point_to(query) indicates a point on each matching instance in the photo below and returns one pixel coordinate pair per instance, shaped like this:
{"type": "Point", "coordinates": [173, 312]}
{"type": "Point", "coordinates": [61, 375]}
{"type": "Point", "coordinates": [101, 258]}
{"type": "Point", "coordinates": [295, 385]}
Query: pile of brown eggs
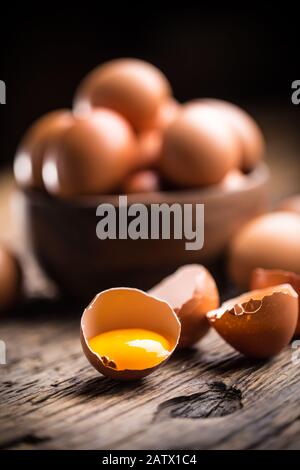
{"type": "Point", "coordinates": [128, 134]}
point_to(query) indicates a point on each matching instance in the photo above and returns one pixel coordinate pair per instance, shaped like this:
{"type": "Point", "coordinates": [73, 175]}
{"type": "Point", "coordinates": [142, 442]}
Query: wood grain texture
{"type": "Point", "coordinates": [204, 398]}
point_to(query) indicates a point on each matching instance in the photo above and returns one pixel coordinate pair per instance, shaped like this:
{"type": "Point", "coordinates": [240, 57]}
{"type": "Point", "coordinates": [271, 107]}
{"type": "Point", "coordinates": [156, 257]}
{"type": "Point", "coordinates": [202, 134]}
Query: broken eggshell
{"type": "Point", "coordinates": [192, 292]}
{"type": "Point", "coordinates": [263, 278]}
{"type": "Point", "coordinates": [259, 324]}
{"type": "Point", "coordinates": [120, 308]}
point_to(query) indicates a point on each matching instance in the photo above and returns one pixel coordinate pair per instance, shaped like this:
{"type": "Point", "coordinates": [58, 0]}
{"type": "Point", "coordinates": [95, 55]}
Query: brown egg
{"type": "Point", "coordinates": [30, 154]}
{"type": "Point", "coordinates": [124, 309]}
{"type": "Point", "coordinates": [263, 278]}
{"type": "Point", "coordinates": [259, 324]}
{"type": "Point", "coordinates": [192, 292]}
{"type": "Point", "coordinates": [149, 149]}
{"type": "Point", "coordinates": [246, 129]}
{"type": "Point", "coordinates": [233, 181]}
{"type": "Point", "coordinates": [199, 148]}
{"type": "Point", "coordinates": [10, 279]}
{"type": "Point", "coordinates": [271, 241]}
{"type": "Point", "coordinates": [143, 181]}
{"type": "Point", "coordinates": [91, 157]}
{"type": "Point", "coordinates": [167, 112]}
{"type": "Point", "coordinates": [132, 87]}
{"type": "Point", "coordinates": [291, 204]}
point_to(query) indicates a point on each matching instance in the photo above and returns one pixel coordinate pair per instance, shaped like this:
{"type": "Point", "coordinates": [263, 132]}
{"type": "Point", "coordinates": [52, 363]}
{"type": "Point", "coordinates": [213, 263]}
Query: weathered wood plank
{"type": "Point", "coordinates": [51, 398]}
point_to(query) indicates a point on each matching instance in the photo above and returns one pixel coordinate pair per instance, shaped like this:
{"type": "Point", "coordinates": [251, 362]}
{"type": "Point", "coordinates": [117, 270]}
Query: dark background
{"type": "Point", "coordinates": [248, 56]}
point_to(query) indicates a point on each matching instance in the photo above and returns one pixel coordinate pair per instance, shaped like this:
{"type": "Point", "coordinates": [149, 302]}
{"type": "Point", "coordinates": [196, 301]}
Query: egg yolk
{"type": "Point", "coordinates": [131, 349]}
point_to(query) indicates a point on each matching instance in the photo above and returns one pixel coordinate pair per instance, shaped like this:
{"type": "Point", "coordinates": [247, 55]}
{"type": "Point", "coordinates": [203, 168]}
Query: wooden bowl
{"type": "Point", "coordinates": [63, 236]}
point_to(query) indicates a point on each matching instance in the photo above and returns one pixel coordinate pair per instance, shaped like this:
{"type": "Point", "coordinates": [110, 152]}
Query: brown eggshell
{"type": "Point", "coordinates": [143, 181]}
{"type": "Point", "coordinates": [10, 279]}
{"type": "Point", "coordinates": [263, 278]}
{"type": "Point", "coordinates": [291, 204]}
{"type": "Point", "coordinates": [126, 308]}
{"type": "Point", "coordinates": [199, 148]}
{"type": "Point", "coordinates": [259, 324]}
{"type": "Point", "coordinates": [271, 241]}
{"type": "Point", "coordinates": [248, 132]}
{"type": "Point", "coordinates": [192, 292]}
{"type": "Point", "coordinates": [132, 87]}
{"type": "Point", "coordinates": [91, 157]}
{"type": "Point", "coordinates": [30, 154]}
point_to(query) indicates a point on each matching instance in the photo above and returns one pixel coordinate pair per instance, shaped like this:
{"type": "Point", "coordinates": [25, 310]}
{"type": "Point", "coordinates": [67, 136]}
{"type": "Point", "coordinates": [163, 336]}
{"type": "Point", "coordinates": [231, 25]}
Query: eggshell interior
{"type": "Point", "coordinates": [129, 308]}
{"type": "Point", "coordinates": [181, 286]}
{"type": "Point", "coordinates": [192, 292]}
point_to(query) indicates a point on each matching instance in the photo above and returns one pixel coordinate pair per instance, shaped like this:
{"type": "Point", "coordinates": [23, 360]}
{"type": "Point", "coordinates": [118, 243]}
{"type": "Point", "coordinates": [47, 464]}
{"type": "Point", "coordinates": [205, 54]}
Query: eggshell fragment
{"type": "Point", "coordinates": [263, 278]}
{"type": "Point", "coordinates": [31, 151]}
{"type": "Point", "coordinates": [126, 308]}
{"type": "Point", "coordinates": [132, 87]}
{"type": "Point", "coordinates": [91, 157]}
{"type": "Point", "coordinates": [192, 292]}
{"type": "Point", "coordinates": [142, 181]}
{"type": "Point", "coordinates": [271, 241]}
{"type": "Point", "coordinates": [10, 279]}
{"type": "Point", "coordinates": [199, 148]}
{"type": "Point", "coordinates": [291, 204]}
{"type": "Point", "coordinates": [259, 324]}
{"type": "Point", "coordinates": [247, 131]}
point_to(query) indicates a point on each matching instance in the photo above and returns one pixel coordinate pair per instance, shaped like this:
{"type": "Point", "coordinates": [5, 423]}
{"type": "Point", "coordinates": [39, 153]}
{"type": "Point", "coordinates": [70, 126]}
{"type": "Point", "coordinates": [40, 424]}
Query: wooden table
{"type": "Point", "coordinates": [205, 398]}
{"type": "Point", "coordinates": [208, 397]}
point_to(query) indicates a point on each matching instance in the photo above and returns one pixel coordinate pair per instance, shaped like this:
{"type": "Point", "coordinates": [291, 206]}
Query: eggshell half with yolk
{"type": "Point", "coordinates": [126, 308]}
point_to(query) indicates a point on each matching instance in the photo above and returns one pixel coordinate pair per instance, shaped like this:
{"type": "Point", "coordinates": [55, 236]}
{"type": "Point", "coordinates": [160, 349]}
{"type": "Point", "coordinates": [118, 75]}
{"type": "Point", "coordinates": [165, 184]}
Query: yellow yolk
{"type": "Point", "coordinates": [131, 349]}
